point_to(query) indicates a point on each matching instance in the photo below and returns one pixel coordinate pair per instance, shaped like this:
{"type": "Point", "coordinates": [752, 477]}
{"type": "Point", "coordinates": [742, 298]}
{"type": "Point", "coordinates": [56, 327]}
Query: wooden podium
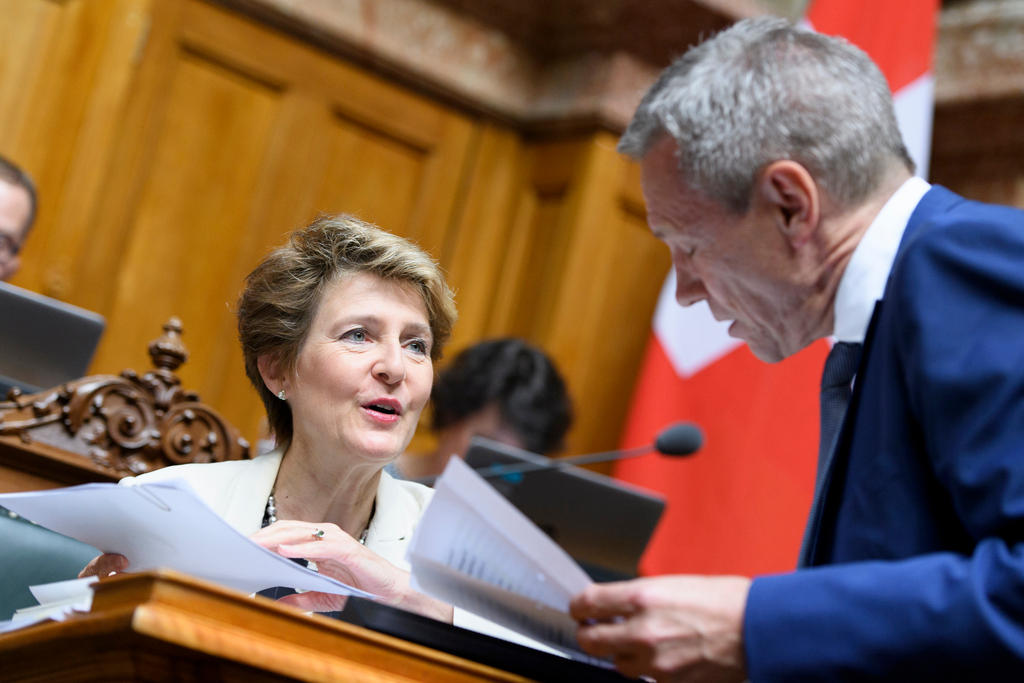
{"type": "Point", "coordinates": [165, 626]}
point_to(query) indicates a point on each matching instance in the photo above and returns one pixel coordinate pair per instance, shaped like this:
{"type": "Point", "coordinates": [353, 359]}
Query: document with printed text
{"type": "Point", "coordinates": [166, 525]}
{"type": "Point", "coordinates": [475, 550]}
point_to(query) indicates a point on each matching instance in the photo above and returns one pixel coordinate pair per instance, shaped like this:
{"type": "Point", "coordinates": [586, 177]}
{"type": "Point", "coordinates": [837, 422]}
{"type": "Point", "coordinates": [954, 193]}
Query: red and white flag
{"type": "Point", "coordinates": [740, 504]}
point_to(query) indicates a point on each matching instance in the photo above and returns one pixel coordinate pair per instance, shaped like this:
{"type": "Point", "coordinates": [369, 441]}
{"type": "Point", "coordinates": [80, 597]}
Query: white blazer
{"type": "Point", "coordinates": [237, 490]}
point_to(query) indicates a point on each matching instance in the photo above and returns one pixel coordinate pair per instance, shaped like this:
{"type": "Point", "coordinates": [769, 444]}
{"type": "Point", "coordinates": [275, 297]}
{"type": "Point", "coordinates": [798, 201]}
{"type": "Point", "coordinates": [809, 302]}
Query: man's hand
{"type": "Point", "coordinates": [672, 628]}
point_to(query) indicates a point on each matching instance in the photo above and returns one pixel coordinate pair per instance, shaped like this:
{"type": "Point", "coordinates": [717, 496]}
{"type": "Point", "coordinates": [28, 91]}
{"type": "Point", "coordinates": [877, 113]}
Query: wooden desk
{"type": "Point", "coordinates": [35, 466]}
{"type": "Point", "coordinates": [165, 626]}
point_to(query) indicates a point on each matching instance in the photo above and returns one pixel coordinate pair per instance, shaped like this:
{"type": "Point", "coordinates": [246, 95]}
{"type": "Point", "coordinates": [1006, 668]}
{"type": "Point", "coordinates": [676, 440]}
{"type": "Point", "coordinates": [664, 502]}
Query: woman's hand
{"type": "Point", "coordinates": [104, 565]}
{"type": "Point", "coordinates": [342, 557]}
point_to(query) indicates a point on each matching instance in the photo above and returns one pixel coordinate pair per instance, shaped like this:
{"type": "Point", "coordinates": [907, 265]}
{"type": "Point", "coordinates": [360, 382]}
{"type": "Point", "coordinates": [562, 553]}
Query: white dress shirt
{"type": "Point", "coordinates": [863, 281]}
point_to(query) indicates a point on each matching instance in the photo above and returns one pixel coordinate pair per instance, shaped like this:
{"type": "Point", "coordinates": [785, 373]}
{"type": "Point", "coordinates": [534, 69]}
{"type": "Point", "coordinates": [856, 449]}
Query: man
{"type": "Point", "coordinates": [17, 213]}
{"type": "Point", "coordinates": [773, 169]}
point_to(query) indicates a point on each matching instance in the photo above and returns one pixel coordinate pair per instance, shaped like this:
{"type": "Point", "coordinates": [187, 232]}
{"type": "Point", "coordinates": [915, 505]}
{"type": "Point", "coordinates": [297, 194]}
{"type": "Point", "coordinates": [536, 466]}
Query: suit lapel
{"type": "Point", "coordinates": [826, 501]}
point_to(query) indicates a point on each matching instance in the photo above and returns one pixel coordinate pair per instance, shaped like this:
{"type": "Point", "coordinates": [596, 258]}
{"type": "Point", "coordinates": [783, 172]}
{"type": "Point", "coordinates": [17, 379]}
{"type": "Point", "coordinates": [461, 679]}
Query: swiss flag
{"type": "Point", "coordinates": [739, 505]}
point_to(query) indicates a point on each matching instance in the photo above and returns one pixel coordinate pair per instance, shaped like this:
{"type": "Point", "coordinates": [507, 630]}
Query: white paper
{"type": "Point", "coordinates": [15, 624]}
{"type": "Point", "coordinates": [62, 591]}
{"type": "Point", "coordinates": [57, 600]}
{"type": "Point", "coordinates": [475, 550]}
{"type": "Point", "coordinates": [166, 525]}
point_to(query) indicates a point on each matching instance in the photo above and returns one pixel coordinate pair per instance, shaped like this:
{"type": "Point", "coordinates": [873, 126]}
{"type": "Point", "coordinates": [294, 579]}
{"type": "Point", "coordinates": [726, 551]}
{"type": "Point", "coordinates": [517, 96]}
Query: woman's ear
{"type": "Point", "coordinates": [791, 196]}
{"type": "Point", "coordinates": [270, 370]}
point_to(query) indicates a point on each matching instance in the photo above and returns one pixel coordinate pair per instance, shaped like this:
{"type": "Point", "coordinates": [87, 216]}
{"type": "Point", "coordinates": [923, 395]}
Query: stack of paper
{"type": "Point", "coordinates": [165, 524]}
{"type": "Point", "coordinates": [475, 550]}
{"type": "Point", "coordinates": [472, 548]}
{"type": "Point", "coordinates": [57, 601]}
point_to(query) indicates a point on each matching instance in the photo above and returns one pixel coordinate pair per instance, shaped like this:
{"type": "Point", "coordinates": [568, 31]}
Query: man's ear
{"type": "Point", "coordinates": [791, 196]}
{"type": "Point", "coordinates": [272, 373]}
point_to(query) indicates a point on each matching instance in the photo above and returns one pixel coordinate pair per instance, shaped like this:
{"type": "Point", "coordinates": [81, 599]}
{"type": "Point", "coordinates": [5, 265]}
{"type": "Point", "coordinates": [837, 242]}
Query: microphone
{"type": "Point", "coordinates": [679, 439]}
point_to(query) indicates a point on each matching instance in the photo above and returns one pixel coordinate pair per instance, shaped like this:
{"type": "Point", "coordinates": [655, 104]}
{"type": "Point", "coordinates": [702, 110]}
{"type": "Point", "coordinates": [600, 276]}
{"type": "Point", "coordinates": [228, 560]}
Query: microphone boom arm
{"type": "Point", "coordinates": [558, 463]}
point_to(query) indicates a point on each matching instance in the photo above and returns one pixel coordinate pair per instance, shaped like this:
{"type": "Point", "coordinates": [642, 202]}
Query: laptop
{"type": "Point", "coordinates": [603, 523]}
{"type": "Point", "coordinates": [43, 342]}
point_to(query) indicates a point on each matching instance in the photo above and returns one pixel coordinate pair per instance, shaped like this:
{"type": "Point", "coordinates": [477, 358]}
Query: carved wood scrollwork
{"type": "Point", "coordinates": [128, 424]}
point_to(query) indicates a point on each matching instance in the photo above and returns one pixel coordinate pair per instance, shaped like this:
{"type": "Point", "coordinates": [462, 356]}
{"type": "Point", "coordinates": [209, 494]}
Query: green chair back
{"type": "Point", "coordinates": [30, 555]}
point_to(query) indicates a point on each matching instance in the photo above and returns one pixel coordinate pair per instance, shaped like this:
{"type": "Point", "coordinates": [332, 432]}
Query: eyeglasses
{"type": "Point", "coordinates": [9, 247]}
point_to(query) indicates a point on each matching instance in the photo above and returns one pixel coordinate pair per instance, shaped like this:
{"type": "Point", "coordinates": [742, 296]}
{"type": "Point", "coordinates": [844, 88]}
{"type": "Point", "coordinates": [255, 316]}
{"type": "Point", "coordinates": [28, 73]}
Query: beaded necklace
{"type": "Point", "coordinates": [270, 516]}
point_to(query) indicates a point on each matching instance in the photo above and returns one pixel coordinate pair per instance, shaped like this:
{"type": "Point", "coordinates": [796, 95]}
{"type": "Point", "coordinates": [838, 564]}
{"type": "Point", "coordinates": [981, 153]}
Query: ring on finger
{"type": "Point", "coordinates": [318, 534]}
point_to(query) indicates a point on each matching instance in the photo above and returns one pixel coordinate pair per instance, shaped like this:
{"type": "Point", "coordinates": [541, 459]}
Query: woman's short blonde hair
{"type": "Point", "coordinates": [283, 292]}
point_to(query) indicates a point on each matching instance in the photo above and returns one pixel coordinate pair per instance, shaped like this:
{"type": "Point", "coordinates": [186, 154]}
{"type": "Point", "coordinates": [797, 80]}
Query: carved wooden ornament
{"type": "Point", "coordinates": [127, 424]}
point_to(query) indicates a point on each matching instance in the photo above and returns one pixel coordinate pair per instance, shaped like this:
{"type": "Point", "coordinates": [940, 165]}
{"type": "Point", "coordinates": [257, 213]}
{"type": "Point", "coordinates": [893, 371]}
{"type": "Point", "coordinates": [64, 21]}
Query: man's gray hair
{"type": "Point", "coordinates": [765, 90]}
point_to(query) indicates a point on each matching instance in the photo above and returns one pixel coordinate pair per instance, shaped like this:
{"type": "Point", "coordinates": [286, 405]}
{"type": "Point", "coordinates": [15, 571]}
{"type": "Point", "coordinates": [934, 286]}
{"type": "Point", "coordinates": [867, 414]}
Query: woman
{"type": "Point", "coordinates": [339, 330]}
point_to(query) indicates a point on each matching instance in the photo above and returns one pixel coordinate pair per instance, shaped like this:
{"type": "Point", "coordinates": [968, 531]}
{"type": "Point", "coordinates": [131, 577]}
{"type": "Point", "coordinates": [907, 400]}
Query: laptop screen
{"type": "Point", "coordinates": [604, 524]}
{"type": "Point", "coordinates": [43, 342]}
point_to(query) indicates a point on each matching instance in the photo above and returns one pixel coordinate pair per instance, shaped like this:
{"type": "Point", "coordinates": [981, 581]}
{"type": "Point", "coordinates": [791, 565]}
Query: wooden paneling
{"type": "Point", "coordinates": [486, 236]}
{"type": "Point", "coordinates": [27, 31]}
{"type": "Point", "coordinates": [64, 70]}
{"type": "Point", "coordinates": [610, 280]}
{"type": "Point", "coordinates": [553, 247]}
{"type": "Point", "coordinates": [175, 142]}
{"type": "Point", "coordinates": [192, 210]}
{"type": "Point", "coordinates": [249, 135]}
{"type": "Point", "coordinates": [533, 273]}
{"type": "Point", "coordinates": [631, 278]}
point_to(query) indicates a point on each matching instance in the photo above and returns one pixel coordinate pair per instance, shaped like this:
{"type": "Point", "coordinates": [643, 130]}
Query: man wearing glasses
{"type": "Point", "coordinates": [17, 212]}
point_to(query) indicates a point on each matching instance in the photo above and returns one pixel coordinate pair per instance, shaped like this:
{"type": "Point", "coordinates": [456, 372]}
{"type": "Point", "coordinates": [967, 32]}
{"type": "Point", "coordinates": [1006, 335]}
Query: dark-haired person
{"type": "Point", "coordinates": [339, 329]}
{"type": "Point", "coordinates": [17, 213]}
{"type": "Point", "coordinates": [502, 389]}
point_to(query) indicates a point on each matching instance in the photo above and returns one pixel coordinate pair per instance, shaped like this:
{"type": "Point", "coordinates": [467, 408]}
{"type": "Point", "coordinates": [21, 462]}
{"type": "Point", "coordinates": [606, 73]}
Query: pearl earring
{"type": "Point", "coordinates": [281, 395]}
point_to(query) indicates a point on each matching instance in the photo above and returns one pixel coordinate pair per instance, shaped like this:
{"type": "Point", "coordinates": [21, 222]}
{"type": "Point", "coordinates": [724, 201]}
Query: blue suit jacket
{"type": "Point", "coordinates": [917, 557]}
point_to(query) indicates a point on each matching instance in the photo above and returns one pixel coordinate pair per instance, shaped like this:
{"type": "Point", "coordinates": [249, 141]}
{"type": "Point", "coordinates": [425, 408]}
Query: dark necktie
{"type": "Point", "coordinates": [836, 388]}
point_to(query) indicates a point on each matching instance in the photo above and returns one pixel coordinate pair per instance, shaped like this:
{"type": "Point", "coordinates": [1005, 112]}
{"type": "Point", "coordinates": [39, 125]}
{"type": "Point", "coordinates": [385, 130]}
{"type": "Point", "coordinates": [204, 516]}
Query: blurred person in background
{"type": "Point", "coordinates": [17, 214]}
{"type": "Point", "coordinates": [502, 389]}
